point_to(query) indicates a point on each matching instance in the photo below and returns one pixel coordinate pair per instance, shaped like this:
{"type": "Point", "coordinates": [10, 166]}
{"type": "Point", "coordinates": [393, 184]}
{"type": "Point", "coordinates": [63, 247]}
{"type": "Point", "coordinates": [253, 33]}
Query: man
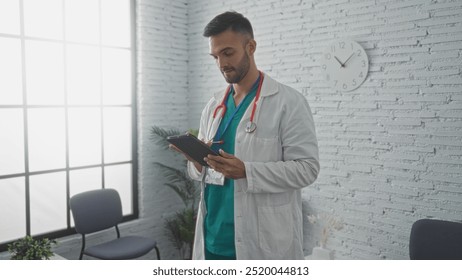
{"type": "Point", "coordinates": [251, 204]}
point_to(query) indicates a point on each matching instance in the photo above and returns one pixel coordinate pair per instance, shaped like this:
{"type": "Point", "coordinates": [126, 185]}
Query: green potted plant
{"type": "Point", "coordinates": [181, 225]}
{"type": "Point", "coordinates": [28, 248]}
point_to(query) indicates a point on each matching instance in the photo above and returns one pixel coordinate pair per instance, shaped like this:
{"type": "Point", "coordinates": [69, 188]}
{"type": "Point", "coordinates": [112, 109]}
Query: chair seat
{"type": "Point", "coordinates": [127, 247]}
{"type": "Point", "coordinates": [435, 240]}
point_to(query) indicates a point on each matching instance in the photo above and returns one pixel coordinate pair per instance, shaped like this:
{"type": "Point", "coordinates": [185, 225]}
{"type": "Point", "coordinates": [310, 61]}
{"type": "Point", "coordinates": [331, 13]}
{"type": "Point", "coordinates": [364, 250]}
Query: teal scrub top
{"type": "Point", "coordinates": [219, 200]}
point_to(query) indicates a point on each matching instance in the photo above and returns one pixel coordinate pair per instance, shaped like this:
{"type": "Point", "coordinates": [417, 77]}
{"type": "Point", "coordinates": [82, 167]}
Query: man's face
{"type": "Point", "coordinates": [229, 49]}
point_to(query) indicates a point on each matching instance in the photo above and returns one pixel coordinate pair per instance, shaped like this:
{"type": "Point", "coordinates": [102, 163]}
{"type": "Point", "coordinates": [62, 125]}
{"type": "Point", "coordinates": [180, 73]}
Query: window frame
{"type": "Point", "coordinates": [134, 130]}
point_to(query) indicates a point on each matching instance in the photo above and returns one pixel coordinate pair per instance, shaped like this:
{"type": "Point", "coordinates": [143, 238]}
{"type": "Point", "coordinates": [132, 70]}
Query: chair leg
{"type": "Point", "coordinates": [157, 252]}
{"type": "Point", "coordinates": [83, 247]}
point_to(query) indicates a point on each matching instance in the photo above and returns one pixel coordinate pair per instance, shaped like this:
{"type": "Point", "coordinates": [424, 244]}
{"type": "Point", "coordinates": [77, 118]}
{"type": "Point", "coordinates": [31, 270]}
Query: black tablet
{"type": "Point", "coordinates": [193, 147]}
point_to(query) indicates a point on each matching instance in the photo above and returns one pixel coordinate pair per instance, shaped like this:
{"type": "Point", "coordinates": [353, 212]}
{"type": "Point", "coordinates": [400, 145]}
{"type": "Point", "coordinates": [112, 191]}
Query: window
{"type": "Point", "coordinates": [67, 110]}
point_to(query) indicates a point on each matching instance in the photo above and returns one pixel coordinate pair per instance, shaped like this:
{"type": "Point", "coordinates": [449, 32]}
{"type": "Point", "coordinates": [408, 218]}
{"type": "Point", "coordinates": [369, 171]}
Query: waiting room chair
{"type": "Point", "coordinates": [435, 240]}
{"type": "Point", "coordinates": [98, 210]}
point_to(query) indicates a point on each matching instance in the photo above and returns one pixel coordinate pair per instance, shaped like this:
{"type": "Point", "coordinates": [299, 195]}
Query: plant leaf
{"type": "Point", "coordinates": [159, 135]}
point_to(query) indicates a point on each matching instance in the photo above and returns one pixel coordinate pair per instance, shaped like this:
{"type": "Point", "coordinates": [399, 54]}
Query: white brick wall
{"type": "Point", "coordinates": [391, 151]}
{"type": "Point", "coordinates": [162, 44]}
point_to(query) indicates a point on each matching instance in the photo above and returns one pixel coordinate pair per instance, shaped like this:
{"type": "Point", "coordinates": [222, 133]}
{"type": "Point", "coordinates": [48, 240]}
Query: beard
{"type": "Point", "coordinates": [234, 75]}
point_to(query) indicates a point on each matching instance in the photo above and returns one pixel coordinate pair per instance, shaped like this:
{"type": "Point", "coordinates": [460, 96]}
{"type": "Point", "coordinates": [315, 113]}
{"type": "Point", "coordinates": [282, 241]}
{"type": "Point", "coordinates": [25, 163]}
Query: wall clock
{"type": "Point", "coordinates": [345, 65]}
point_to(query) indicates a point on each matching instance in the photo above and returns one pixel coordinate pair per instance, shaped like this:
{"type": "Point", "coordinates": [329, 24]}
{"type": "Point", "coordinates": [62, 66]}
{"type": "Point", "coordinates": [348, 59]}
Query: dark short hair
{"type": "Point", "coordinates": [228, 20]}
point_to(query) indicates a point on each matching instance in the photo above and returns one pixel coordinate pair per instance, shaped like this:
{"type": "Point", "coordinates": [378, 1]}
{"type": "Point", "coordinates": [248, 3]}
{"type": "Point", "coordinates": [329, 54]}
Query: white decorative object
{"type": "Point", "coordinates": [327, 224]}
{"type": "Point", "coordinates": [320, 253]}
{"type": "Point", "coordinates": [345, 65]}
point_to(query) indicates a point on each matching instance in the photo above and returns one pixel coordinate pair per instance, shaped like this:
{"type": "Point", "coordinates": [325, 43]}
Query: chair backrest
{"type": "Point", "coordinates": [96, 210]}
{"type": "Point", "coordinates": [435, 240]}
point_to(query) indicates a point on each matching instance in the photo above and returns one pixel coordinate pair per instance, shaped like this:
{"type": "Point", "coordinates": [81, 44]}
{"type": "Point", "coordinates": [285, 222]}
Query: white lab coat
{"type": "Point", "coordinates": [280, 157]}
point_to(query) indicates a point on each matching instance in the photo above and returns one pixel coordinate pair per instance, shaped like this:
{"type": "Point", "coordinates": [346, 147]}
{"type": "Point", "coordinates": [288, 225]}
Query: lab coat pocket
{"type": "Point", "coordinates": [265, 149]}
{"type": "Point", "coordinates": [275, 229]}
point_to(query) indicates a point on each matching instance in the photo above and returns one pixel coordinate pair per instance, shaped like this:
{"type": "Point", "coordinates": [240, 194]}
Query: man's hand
{"type": "Point", "coordinates": [227, 164]}
{"type": "Point", "coordinates": [196, 164]}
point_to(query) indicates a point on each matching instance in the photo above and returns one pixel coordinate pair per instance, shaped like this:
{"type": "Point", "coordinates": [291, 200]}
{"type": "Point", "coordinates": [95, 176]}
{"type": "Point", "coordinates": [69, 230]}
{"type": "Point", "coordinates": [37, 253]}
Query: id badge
{"type": "Point", "coordinates": [214, 177]}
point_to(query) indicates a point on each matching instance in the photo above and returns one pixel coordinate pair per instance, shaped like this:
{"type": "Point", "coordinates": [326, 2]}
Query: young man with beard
{"type": "Point", "coordinates": [251, 204]}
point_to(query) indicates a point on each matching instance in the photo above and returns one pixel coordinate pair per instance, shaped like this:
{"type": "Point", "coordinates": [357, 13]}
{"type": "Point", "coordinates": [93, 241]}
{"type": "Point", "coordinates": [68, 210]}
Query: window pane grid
{"type": "Point", "coordinates": [15, 175]}
{"type": "Point", "coordinates": [64, 106]}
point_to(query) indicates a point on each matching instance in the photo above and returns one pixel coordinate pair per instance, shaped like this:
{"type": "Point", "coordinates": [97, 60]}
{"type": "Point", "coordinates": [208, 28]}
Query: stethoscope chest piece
{"type": "Point", "coordinates": [250, 127]}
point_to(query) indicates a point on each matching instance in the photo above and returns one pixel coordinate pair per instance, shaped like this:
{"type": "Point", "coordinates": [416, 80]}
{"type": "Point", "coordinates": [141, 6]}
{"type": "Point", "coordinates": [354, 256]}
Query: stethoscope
{"type": "Point", "coordinates": [251, 126]}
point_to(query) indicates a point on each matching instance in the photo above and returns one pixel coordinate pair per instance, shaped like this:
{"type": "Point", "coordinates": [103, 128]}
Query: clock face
{"type": "Point", "coordinates": [345, 65]}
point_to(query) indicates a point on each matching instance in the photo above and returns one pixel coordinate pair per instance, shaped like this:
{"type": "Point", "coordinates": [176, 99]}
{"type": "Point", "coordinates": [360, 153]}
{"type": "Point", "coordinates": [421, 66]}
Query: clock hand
{"type": "Point", "coordinates": [341, 64]}
{"type": "Point", "coordinates": [348, 59]}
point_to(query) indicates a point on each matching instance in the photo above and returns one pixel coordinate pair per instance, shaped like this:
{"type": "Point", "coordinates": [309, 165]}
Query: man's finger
{"type": "Point", "coordinates": [215, 159]}
{"type": "Point", "coordinates": [225, 154]}
{"type": "Point", "coordinates": [212, 163]}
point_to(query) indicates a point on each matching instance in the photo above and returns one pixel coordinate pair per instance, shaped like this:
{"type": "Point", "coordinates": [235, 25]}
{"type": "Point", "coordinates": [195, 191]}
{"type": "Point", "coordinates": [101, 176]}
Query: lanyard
{"type": "Point", "coordinates": [251, 126]}
{"type": "Point", "coordinates": [221, 132]}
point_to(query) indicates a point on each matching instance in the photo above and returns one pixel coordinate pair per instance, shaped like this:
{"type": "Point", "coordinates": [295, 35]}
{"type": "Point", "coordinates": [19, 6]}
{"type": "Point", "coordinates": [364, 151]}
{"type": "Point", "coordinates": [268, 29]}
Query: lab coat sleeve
{"type": "Point", "coordinates": [194, 173]}
{"type": "Point", "coordinates": [299, 166]}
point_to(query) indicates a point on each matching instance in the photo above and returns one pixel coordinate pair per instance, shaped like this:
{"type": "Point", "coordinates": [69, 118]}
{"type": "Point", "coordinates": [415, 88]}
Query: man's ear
{"type": "Point", "coordinates": [251, 46]}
